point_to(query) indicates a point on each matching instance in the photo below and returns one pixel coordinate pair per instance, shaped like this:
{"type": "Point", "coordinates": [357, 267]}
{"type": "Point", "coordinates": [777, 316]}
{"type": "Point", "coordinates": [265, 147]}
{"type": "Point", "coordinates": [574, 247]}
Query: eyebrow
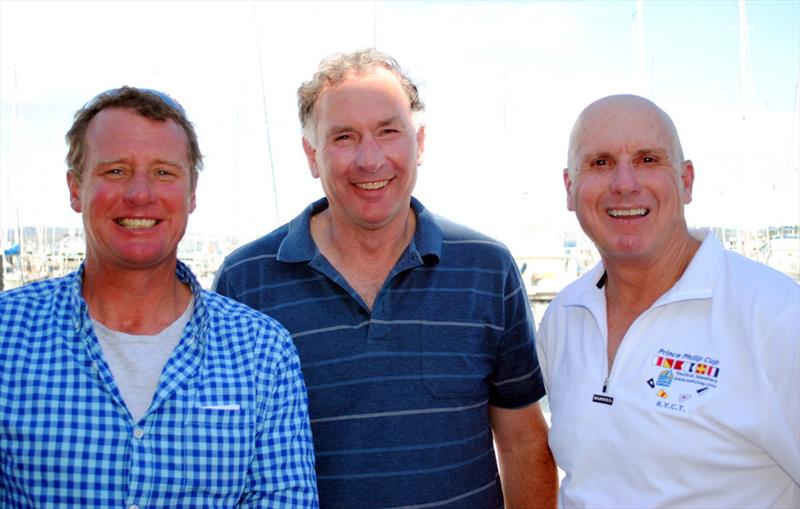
{"type": "Point", "coordinates": [125, 161]}
{"type": "Point", "coordinates": [652, 151]}
{"type": "Point", "coordinates": [661, 152]}
{"type": "Point", "coordinates": [595, 155]}
{"type": "Point", "coordinates": [388, 121]}
{"type": "Point", "coordinates": [336, 129]}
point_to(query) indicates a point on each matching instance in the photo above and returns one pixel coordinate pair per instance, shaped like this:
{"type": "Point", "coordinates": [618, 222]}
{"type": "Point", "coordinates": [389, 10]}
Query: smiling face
{"type": "Point", "coordinates": [367, 150]}
{"type": "Point", "coordinates": [136, 191]}
{"type": "Point", "coordinates": [626, 182]}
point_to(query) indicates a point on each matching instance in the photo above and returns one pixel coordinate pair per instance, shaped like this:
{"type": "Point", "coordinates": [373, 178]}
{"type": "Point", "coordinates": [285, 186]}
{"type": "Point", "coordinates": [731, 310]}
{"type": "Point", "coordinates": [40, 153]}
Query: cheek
{"type": "Point", "coordinates": [330, 162]}
{"type": "Point", "coordinates": [578, 195]}
{"type": "Point", "coordinates": [96, 197]}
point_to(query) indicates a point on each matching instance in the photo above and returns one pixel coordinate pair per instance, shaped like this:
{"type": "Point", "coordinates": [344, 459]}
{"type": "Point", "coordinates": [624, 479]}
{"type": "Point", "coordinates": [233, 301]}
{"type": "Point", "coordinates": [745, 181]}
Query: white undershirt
{"type": "Point", "coordinates": [136, 361]}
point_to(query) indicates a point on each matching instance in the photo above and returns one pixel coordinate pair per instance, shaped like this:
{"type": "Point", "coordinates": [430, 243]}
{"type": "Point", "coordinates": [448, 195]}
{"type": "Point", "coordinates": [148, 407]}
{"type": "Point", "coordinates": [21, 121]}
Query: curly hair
{"type": "Point", "coordinates": [335, 68]}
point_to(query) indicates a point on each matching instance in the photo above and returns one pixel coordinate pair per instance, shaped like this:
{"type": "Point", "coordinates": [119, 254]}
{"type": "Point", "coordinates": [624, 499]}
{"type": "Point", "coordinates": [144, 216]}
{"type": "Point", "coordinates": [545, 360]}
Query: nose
{"type": "Point", "coordinates": [624, 179]}
{"type": "Point", "coordinates": [369, 156]}
{"type": "Point", "coordinates": [139, 189]}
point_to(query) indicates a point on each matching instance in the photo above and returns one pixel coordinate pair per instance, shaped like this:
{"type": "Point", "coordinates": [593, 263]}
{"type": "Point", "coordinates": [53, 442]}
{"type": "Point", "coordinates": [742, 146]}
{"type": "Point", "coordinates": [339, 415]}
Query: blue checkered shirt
{"type": "Point", "coordinates": [228, 425]}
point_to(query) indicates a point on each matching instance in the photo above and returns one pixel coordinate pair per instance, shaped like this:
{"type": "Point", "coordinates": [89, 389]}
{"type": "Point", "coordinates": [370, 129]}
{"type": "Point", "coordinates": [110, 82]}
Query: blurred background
{"type": "Point", "coordinates": [503, 82]}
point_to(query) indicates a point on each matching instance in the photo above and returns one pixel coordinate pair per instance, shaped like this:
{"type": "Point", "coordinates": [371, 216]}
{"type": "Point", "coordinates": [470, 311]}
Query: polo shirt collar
{"type": "Point", "coordinates": [428, 237]}
{"type": "Point", "coordinates": [298, 246]}
{"type": "Point", "coordinates": [697, 281]}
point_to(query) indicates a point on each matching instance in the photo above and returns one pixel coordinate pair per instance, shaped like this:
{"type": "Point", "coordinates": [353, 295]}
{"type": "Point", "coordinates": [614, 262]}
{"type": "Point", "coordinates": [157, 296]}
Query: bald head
{"type": "Point", "coordinates": [627, 117]}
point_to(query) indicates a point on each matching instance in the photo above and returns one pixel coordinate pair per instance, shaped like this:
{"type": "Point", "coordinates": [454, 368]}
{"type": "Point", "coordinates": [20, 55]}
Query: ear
{"type": "Point", "coordinates": [420, 144]}
{"type": "Point", "coordinates": [194, 177]}
{"type": "Point", "coordinates": [311, 157]}
{"type": "Point", "coordinates": [687, 178]}
{"type": "Point", "coordinates": [568, 186]}
{"type": "Point", "coordinates": [74, 192]}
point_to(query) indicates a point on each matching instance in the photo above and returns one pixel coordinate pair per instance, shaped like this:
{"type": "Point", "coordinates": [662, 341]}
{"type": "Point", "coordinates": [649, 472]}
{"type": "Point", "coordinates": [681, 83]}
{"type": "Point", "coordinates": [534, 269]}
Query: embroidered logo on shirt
{"type": "Point", "coordinates": [686, 374]}
{"type": "Point", "coordinates": [665, 378]}
{"type": "Point", "coordinates": [685, 366]}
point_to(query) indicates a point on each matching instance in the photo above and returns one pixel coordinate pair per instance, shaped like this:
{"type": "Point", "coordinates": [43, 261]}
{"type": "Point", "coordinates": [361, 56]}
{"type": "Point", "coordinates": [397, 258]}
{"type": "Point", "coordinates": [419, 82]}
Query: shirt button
{"type": "Point", "coordinates": [133, 506]}
{"type": "Point", "coordinates": [138, 433]}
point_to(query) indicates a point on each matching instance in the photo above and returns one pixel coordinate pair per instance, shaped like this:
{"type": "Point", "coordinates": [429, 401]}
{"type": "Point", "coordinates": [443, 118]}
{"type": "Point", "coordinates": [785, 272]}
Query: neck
{"type": "Point", "coordinates": [338, 240]}
{"type": "Point", "coordinates": [638, 284]}
{"type": "Point", "coordinates": [363, 257]}
{"type": "Point", "coordinates": [134, 301]}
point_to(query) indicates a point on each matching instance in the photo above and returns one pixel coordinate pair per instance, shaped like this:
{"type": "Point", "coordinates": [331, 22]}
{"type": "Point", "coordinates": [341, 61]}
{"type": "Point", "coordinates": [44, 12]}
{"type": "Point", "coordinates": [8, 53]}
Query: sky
{"type": "Point", "coordinates": [503, 83]}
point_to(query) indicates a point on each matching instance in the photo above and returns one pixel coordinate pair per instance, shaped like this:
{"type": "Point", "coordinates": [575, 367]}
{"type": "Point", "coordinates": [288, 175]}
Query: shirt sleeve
{"type": "Point", "coordinates": [282, 471]}
{"type": "Point", "coordinates": [220, 284]}
{"type": "Point", "coordinates": [541, 351]}
{"type": "Point", "coordinates": [518, 380]}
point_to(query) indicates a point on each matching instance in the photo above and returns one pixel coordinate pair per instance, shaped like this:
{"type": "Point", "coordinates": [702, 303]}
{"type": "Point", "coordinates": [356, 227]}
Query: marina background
{"type": "Point", "coordinates": [503, 82]}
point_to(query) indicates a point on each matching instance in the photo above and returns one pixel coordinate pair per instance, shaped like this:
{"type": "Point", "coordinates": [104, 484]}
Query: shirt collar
{"type": "Point", "coordinates": [428, 237]}
{"type": "Point", "coordinates": [696, 282]}
{"type": "Point", "coordinates": [298, 246]}
{"type": "Point", "coordinates": [80, 310]}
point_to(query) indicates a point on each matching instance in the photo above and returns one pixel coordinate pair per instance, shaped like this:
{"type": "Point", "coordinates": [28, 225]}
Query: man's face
{"type": "Point", "coordinates": [367, 150]}
{"type": "Point", "coordinates": [629, 189]}
{"type": "Point", "coordinates": [135, 193]}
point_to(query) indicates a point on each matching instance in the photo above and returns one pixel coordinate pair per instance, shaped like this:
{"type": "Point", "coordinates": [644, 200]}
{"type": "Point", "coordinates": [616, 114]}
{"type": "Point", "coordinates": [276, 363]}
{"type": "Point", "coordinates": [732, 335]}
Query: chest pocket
{"type": "Point", "coordinates": [218, 446]}
{"type": "Point", "coordinates": [457, 360]}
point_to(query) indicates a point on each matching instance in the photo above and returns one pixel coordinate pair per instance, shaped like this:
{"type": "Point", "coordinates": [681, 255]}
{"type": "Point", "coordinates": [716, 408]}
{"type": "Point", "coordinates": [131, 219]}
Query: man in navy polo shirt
{"type": "Point", "coordinates": [415, 334]}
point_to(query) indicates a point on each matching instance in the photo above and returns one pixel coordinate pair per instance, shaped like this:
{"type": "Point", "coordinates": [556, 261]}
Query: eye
{"type": "Point", "coordinates": [163, 172]}
{"type": "Point", "coordinates": [649, 159]}
{"type": "Point", "coordinates": [600, 162]}
{"type": "Point", "coordinates": [342, 137]}
{"type": "Point", "coordinates": [115, 171]}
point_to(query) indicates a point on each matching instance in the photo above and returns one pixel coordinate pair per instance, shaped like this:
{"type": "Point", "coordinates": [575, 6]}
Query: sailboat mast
{"type": "Point", "coordinates": [266, 116]}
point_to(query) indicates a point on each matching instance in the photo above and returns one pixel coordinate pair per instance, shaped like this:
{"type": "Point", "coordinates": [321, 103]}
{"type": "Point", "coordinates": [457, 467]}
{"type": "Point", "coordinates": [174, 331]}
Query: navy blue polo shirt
{"type": "Point", "coordinates": [399, 395]}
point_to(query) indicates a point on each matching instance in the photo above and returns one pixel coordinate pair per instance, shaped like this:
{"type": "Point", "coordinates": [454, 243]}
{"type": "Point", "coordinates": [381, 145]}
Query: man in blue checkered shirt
{"type": "Point", "coordinates": [125, 384]}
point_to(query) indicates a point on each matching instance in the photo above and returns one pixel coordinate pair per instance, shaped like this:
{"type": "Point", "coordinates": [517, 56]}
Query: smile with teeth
{"type": "Point", "coordinates": [628, 212]}
{"type": "Point", "coordinates": [136, 222]}
{"type": "Point", "coordinates": [370, 186]}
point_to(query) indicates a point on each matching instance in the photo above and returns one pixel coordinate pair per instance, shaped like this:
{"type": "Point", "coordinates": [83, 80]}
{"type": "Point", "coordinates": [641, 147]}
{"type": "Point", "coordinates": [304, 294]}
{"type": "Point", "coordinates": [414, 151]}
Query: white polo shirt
{"type": "Point", "coordinates": [702, 406]}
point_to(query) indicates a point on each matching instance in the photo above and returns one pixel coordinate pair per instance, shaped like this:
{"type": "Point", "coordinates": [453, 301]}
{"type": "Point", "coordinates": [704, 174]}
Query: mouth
{"type": "Point", "coordinates": [371, 186]}
{"type": "Point", "coordinates": [631, 213]}
{"type": "Point", "coordinates": [136, 223]}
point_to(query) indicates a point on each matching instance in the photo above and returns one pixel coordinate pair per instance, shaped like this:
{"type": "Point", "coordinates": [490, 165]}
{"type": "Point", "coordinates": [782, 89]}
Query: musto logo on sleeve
{"type": "Point", "coordinates": [678, 381]}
